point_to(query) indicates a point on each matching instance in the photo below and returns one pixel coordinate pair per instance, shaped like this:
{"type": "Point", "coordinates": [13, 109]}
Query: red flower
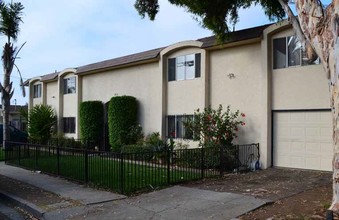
{"type": "Point", "coordinates": [243, 123]}
{"type": "Point", "coordinates": [243, 115]}
{"type": "Point", "coordinates": [236, 129]}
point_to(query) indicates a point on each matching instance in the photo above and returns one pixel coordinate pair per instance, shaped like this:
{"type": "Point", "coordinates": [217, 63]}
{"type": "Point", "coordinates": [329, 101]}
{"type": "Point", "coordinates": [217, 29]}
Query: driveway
{"type": "Point", "coordinates": [176, 202]}
{"type": "Point", "coordinates": [219, 198]}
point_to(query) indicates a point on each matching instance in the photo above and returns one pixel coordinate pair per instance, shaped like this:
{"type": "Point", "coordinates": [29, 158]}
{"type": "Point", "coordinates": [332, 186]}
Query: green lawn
{"type": "Point", "coordinates": [113, 174]}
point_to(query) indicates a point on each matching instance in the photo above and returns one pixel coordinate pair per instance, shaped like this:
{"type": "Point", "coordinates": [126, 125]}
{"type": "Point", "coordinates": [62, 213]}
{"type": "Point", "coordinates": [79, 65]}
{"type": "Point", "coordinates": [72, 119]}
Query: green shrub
{"type": "Point", "coordinates": [215, 127]}
{"type": "Point", "coordinates": [155, 140]}
{"type": "Point", "coordinates": [61, 141]}
{"type": "Point", "coordinates": [91, 120]}
{"type": "Point", "coordinates": [135, 134]}
{"type": "Point", "coordinates": [122, 117]}
{"type": "Point", "coordinates": [41, 120]}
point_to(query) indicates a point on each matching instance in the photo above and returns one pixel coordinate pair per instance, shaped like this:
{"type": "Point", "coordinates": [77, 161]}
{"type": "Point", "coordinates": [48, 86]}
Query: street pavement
{"type": "Point", "coordinates": [176, 202]}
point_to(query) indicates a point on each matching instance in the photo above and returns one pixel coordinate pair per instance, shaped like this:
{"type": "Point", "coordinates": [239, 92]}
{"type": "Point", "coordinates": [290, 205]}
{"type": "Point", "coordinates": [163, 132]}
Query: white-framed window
{"type": "Point", "coordinates": [69, 85]}
{"type": "Point", "coordinates": [37, 91]}
{"type": "Point", "coordinates": [184, 67]}
{"type": "Point", "coordinates": [288, 52]}
{"type": "Point", "coordinates": [176, 128]}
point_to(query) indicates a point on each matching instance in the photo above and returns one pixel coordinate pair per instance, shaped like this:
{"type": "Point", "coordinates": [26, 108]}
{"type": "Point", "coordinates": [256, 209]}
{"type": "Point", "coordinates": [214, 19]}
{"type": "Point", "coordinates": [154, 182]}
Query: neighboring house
{"type": "Point", "coordinates": [15, 117]}
{"type": "Point", "coordinates": [260, 71]}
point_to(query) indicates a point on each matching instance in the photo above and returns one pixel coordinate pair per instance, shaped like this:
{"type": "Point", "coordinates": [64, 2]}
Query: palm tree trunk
{"type": "Point", "coordinates": [6, 88]}
{"type": "Point", "coordinates": [6, 106]}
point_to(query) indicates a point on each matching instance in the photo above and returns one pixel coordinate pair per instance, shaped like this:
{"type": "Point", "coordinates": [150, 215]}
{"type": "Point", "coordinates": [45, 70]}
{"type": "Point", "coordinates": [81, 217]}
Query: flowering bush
{"type": "Point", "coordinates": [215, 127]}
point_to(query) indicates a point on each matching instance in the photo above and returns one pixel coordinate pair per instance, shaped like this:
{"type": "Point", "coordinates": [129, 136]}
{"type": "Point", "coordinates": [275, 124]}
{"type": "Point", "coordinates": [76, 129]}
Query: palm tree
{"type": "Point", "coordinates": [10, 18]}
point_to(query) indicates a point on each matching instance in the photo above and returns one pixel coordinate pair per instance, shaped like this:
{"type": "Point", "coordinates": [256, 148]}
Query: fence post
{"type": "Point", "coordinates": [237, 159]}
{"type": "Point", "coordinates": [19, 154]}
{"type": "Point", "coordinates": [168, 166]}
{"type": "Point", "coordinates": [122, 182]}
{"type": "Point", "coordinates": [86, 164]}
{"type": "Point", "coordinates": [221, 161]}
{"type": "Point", "coordinates": [202, 162]}
{"type": "Point", "coordinates": [36, 157]}
{"type": "Point", "coordinates": [58, 158]}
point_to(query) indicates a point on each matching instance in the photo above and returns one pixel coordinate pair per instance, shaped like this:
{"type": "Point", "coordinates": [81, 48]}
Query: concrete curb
{"type": "Point", "coordinates": [24, 204]}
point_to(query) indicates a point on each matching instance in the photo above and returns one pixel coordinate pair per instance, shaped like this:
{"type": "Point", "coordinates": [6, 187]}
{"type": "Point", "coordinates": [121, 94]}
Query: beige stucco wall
{"type": "Point", "coordinates": [243, 91]}
{"type": "Point", "coordinates": [143, 82]}
{"type": "Point", "coordinates": [184, 96]}
{"type": "Point", "coordinates": [69, 103]}
{"type": "Point", "coordinates": [299, 87]}
{"type": "Point", "coordinates": [52, 95]}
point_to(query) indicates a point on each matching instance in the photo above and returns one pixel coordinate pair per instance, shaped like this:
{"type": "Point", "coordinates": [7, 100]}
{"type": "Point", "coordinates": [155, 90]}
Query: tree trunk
{"type": "Point", "coordinates": [6, 88]}
{"type": "Point", "coordinates": [321, 28]}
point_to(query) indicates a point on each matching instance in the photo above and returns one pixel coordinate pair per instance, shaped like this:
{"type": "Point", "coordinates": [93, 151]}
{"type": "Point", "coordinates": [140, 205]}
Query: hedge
{"type": "Point", "coordinates": [91, 120]}
{"type": "Point", "coordinates": [122, 117]}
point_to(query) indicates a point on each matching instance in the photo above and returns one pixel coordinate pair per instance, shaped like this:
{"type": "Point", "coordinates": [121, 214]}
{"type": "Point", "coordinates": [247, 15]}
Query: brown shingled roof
{"type": "Point", "coordinates": [50, 76]}
{"type": "Point", "coordinates": [240, 35]}
{"type": "Point", "coordinates": [138, 57]}
{"type": "Point", "coordinates": [46, 77]}
{"type": "Point", "coordinates": [208, 42]}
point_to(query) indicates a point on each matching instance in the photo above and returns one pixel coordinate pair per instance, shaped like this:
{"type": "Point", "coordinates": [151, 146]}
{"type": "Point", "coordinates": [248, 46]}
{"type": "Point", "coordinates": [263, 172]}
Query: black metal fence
{"type": "Point", "coordinates": [127, 173]}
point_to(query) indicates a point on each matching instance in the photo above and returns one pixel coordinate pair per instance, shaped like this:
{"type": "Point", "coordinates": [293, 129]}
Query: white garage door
{"type": "Point", "coordinates": [302, 140]}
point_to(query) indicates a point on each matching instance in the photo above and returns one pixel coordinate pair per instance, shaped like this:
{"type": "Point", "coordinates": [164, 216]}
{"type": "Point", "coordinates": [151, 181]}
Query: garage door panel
{"type": "Point", "coordinates": [312, 132]}
{"type": "Point", "coordinates": [283, 150]}
{"type": "Point", "coordinates": [313, 163]}
{"type": "Point", "coordinates": [297, 162]}
{"type": "Point", "coordinates": [312, 148]}
{"type": "Point", "coordinates": [326, 133]}
{"type": "Point", "coordinates": [326, 164]}
{"type": "Point", "coordinates": [302, 140]}
{"type": "Point", "coordinates": [297, 118]}
{"type": "Point", "coordinates": [298, 132]}
{"type": "Point", "coordinates": [313, 117]}
{"type": "Point", "coordinates": [297, 147]}
{"type": "Point", "coordinates": [326, 149]}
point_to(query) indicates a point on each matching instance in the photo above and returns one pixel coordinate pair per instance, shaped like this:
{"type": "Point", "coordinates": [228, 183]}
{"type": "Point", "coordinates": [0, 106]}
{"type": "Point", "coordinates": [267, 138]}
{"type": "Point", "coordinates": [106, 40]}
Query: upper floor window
{"type": "Point", "coordinates": [287, 52]}
{"type": "Point", "coordinates": [184, 67]}
{"type": "Point", "coordinates": [69, 85]}
{"type": "Point", "coordinates": [176, 127]}
{"type": "Point", "coordinates": [37, 91]}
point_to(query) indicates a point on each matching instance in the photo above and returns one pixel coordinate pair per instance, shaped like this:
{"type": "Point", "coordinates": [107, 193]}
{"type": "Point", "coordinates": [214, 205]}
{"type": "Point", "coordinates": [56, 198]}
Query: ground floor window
{"type": "Point", "coordinates": [69, 125]}
{"type": "Point", "coordinates": [175, 126]}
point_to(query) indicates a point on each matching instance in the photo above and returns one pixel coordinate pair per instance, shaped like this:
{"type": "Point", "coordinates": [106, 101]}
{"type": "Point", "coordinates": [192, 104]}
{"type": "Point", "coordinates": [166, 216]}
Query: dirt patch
{"type": "Point", "coordinates": [311, 204]}
{"type": "Point", "coordinates": [46, 200]}
{"type": "Point", "coordinates": [296, 194]}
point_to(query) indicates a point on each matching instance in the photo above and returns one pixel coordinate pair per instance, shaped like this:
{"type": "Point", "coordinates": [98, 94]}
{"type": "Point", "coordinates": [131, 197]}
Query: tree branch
{"type": "Point", "coordinates": [295, 23]}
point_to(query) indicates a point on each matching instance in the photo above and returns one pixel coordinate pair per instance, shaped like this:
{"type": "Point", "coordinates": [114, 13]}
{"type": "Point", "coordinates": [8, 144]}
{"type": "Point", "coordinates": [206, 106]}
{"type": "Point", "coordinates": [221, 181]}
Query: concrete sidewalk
{"type": "Point", "coordinates": [172, 203]}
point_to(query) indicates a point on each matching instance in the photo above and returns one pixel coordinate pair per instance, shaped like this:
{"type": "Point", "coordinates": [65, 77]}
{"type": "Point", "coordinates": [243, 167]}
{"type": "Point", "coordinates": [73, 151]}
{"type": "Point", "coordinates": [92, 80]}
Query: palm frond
{"type": "Point", "coordinates": [10, 19]}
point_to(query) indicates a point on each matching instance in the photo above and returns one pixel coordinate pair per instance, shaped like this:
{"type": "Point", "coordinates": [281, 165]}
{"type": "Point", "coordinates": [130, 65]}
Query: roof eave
{"type": "Point", "coordinates": [146, 61]}
{"type": "Point", "coordinates": [234, 44]}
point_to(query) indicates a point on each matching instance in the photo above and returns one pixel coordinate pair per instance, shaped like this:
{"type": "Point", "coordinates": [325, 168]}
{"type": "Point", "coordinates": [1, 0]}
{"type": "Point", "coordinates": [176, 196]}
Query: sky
{"type": "Point", "coordinates": [67, 34]}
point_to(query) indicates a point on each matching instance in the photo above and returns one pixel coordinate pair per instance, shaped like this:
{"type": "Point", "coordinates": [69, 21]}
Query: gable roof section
{"type": "Point", "coordinates": [49, 77]}
{"type": "Point", "coordinates": [112, 63]}
{"type": "Point", "coordinates": [133, 59]}
{"type": "Point", "coordinates": [241, 35]}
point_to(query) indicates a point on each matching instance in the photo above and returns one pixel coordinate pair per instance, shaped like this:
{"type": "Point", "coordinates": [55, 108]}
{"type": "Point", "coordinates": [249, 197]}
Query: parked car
{"type": "Point", "coordinates": [15, 134]}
